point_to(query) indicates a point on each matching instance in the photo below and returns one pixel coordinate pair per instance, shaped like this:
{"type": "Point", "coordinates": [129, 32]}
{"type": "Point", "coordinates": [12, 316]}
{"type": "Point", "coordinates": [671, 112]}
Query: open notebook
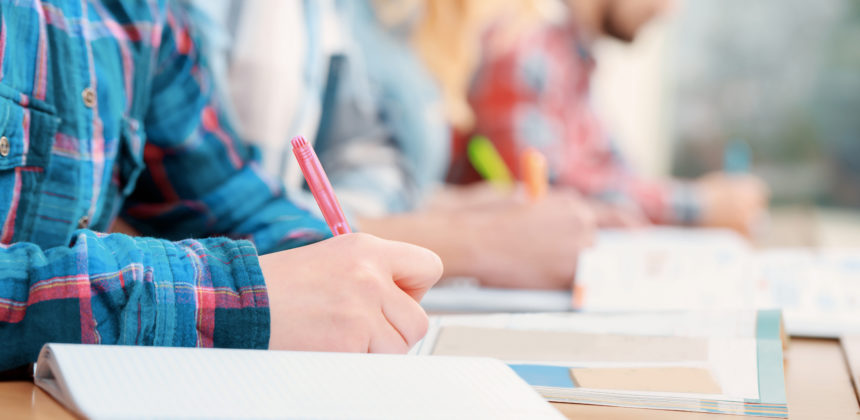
{"type": "Point", "coordinates": [156, 382]}
{"type": "Point", "coordinates": [719, 362]}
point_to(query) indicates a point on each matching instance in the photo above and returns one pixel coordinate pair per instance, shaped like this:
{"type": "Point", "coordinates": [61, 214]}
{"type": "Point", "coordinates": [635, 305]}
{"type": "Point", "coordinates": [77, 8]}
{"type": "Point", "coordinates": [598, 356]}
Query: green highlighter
{"type": "Point", "coordinates": [488, 162]}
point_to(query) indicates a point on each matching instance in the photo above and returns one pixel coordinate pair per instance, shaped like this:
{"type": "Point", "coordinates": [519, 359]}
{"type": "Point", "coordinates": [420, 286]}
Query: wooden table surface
{"type": "Point", "coordinates": [818, 386]}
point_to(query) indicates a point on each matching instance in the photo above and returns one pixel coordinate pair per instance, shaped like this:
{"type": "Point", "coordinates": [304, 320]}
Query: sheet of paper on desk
{"type": "Point", "coordinates": [817, 290]}
{"type": "Point", "coordinates": [151, 382]}
{"type": "Point", "coordinates": [673, 237]}
{"type": "Point", "coordinates": [732, 361]}
{"type": "Point", "coordinates": [465, 295]}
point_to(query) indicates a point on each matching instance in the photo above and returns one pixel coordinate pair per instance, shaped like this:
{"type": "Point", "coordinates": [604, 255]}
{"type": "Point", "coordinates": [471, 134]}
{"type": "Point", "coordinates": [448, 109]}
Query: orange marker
{"type": "Point", "coordinates": [535, 173]}
{"type": "Point", "coordinates": [578, 296]}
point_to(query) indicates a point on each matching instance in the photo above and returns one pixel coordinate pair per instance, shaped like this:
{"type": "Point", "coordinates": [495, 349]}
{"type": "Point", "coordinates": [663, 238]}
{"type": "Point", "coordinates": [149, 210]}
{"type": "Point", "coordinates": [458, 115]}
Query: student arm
{"type": "Point", "coordinates": [503, 244]}
{"type": "Point", "coordinates": [114, 289]}
{"type": "Point", "coordinates": [199, 178]}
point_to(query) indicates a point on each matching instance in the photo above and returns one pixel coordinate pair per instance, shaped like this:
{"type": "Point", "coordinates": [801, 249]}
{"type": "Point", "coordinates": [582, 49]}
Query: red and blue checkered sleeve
{"type": "Point", "coordinates": [667, 201]}
{"type": "Point", "coordinates": [199, 179]}
{"type": "Point", "coordinates": [114, 289]}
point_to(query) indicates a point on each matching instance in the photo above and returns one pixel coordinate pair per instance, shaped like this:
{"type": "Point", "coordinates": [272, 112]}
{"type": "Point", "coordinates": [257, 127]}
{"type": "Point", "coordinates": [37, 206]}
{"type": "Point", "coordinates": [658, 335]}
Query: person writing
{"type": "Point", "coordinates": [108, 109]}
{"type": "Point", "coordinates": [519, 71]}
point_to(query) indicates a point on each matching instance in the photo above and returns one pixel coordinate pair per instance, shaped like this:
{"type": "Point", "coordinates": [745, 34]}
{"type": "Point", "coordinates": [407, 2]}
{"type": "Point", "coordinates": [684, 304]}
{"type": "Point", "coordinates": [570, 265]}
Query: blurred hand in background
{"type": "Point", "coordinates": [499, 238]}
{"type": "Point", "coordinates": [733, 201]}
{"type": "Point", "coordinates": [535, 245]}
{"type": "Point", "coordinates": [614, 216]}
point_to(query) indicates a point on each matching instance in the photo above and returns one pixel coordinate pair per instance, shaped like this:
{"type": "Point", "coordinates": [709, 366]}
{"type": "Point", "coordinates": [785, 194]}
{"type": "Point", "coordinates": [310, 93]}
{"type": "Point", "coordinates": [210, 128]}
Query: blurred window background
{"type": "Point", "coordinates": [781, 75]}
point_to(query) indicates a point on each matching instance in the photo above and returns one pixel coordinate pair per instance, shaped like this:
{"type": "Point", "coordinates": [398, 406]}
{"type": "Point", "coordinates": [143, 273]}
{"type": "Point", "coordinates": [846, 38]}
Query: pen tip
{"type": "Point", "coordinates": [299, 141]}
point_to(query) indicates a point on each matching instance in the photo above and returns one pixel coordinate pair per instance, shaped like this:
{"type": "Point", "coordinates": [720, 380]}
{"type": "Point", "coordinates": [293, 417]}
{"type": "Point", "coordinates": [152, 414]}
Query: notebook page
{"type": "Point", "coordinates": [669, 236]}
{"type": "Point", "coordinates": [470, 297]}
{"type": "Point", "coordinates": [146, 382]}
{"type": "Point", "coordinates": [818, 290]}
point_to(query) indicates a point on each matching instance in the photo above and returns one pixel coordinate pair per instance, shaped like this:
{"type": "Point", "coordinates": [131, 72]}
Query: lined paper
{"type": "Point", "coordinates": [146, 382]}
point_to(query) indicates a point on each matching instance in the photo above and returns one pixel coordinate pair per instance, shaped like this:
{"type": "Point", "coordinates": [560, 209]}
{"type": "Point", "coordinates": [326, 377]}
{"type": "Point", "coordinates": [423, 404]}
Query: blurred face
{"type": "Point", "coordinates": [623, 19]}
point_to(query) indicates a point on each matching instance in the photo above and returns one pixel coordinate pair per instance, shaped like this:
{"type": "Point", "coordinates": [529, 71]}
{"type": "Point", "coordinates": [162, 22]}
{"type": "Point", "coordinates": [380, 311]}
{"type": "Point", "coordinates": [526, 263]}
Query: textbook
{"type": "Point", "coordinates": [102, 382]}
{"type": "Point", "coordinates": [714, 362]}
{"type": "Point", "coordinates": [818, 290]}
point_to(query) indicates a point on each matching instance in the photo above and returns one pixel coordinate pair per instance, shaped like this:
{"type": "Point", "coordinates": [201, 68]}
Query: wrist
{"type": "Point", "coordinates": [688, 204]}
{"type": "Point", "coordinates": [460, 245]}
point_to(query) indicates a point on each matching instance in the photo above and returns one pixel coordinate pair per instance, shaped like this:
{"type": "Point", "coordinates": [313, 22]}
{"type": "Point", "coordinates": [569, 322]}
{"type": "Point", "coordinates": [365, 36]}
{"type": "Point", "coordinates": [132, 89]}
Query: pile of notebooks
{"type": "Point", "coordinates": [715, 362]}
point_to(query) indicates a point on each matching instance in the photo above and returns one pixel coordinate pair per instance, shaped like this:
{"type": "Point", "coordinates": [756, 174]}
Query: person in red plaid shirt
{"type": "Point", "coordinates": [535, 92]}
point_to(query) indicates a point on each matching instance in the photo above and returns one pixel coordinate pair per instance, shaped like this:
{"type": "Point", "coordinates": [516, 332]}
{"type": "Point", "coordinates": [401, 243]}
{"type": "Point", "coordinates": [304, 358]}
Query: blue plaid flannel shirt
{"type": "Point", "coordinates": [107, 109]}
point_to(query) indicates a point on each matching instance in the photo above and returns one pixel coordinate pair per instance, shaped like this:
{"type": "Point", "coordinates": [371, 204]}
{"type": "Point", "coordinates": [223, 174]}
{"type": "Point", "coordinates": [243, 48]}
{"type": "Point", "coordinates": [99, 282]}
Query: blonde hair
{"type": "Point", "coordinates": [448, 37]}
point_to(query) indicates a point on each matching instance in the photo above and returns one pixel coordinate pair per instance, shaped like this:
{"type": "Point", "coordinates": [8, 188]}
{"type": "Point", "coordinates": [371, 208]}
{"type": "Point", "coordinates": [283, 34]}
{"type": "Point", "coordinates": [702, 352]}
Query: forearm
{"type": "Point", "coordinates": [448, 234]}
{"type": "Point", "coordinates": [200, 178]}
{"type": "Point", "coordinates": [244, 206]}
{"type": "Point", "coordinates": [113, 289]}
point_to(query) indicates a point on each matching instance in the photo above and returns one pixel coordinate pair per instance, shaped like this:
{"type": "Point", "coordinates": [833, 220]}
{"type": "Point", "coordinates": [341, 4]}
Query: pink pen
{"type": "Point", "coordinates": [320, 186]}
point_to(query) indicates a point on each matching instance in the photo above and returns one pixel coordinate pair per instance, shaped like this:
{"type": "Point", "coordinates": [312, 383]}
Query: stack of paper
{"type": "Point", "coordinates": [146, 382]}
{"type": "Point", "coordinates": [658, 269]}
{"type": "Point", "coordinates": [703, 361]}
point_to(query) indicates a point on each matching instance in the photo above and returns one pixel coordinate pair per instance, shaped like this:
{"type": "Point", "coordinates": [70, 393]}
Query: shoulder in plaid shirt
{"type": "Point", "coordinates": [105, 109]}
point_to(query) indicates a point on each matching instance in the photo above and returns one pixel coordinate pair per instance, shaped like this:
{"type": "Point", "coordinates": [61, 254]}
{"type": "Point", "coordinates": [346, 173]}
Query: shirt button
{"type": "Point", "coordinates": [89, 97]}
{"type": "Point", "coordinates": [4, 146]}
{"type": "Point", "coordinates": [83, 222]}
